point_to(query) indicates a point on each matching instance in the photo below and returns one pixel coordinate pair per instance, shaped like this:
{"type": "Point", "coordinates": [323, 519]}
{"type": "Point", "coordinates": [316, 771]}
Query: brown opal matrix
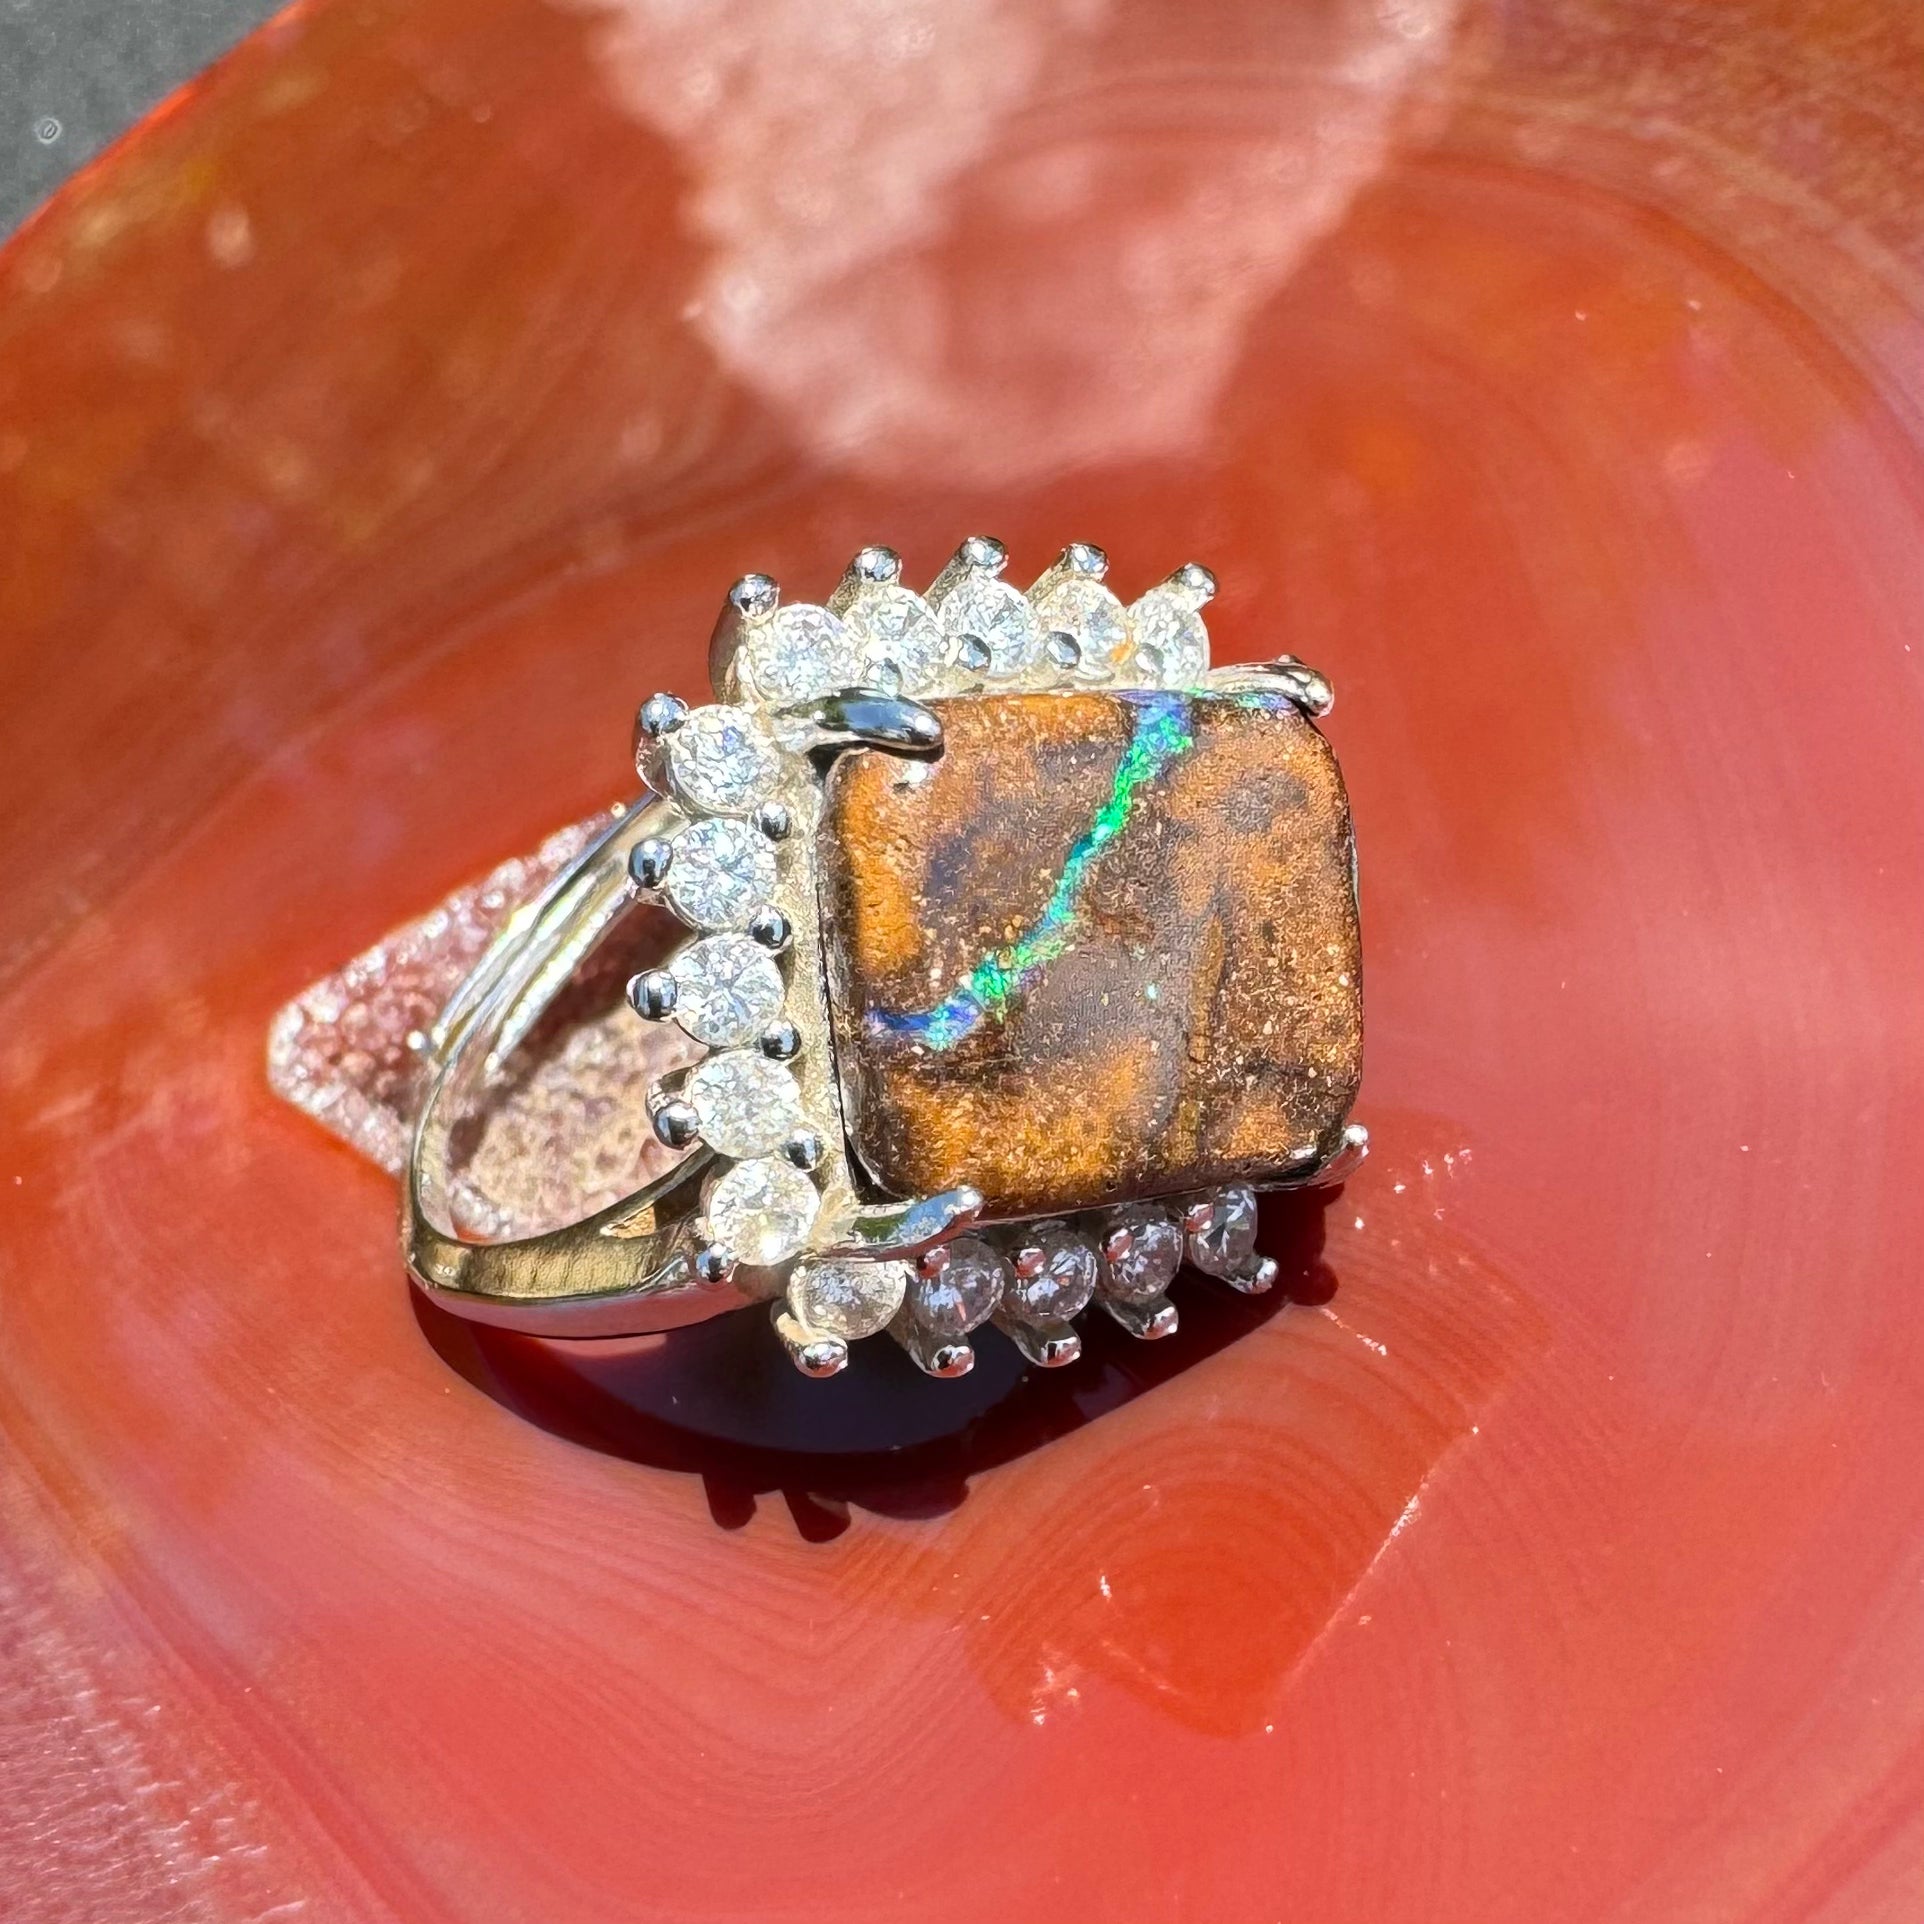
{"type": "Point", "coordinates": [1104, 945]}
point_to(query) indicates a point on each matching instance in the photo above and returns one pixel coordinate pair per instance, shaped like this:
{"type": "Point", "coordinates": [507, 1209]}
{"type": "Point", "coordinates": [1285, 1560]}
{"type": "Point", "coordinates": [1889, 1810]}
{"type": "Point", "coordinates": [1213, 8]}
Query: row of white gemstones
{"type": "Point", "coordinates": [720, 875]}
{"type": "Point", "coordinates": [973, 628]}
{"type": "Point", "coordinates": [1033, 1279]}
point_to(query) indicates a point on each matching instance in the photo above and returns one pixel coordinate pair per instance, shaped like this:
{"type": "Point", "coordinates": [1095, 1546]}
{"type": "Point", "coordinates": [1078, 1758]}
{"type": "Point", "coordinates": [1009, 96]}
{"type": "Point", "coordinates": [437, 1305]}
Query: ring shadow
{"type": "Point", "coordinates": [720, 1400]}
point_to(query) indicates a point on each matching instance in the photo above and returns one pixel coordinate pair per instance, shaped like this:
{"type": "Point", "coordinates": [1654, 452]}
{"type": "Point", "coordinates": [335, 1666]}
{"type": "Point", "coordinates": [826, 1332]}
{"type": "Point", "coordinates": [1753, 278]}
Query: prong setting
{"type": "Point", "coordinates": [781, 1041]}
{"type": "Point", "coordinates": [1064, 651]}
{"type": "Point", "coordinates": [804, 1149]}
{"type": "Point", "coordinates": [659, 716]}
{"type": "Point", "coordinates": [648, 864]}
{"type": "Point", "coordinates": [715, 1263]}
{"type": "Point", "coordinates": [772, 929]}
{"type": "Point", "coordinates": [863, 718]}
{"type": "Point", "coordinates": [754, 597]}
{"type": "Point", "coordinates": [653, 994]}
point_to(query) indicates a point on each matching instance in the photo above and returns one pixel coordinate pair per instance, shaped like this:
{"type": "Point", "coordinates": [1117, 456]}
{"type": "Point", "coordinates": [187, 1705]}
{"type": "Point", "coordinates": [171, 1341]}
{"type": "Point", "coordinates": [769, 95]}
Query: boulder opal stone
{"type": "Point", "coordinates": [1105, 945]}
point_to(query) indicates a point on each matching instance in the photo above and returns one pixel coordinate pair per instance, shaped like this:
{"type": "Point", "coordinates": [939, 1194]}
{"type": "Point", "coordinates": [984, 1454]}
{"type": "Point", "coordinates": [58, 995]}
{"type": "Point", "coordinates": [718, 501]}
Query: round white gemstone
{"type": "Point", "coordinates": [847, 1299]}
{"type": "Point", "coordinates": [719, 874]}
{"type": "Point", "coordinates": [998, 615]}
{"type": "Point", "coordinates": [1160, 621]}
{"type": "Point", "coordinates": [1153, 1258]}
{"type": "Point", "coordinates": [1061, 1288]}
{"type": "Point", "coordinates": [1093, 618]}
{"type": "Point", "coordinates": [1226, 1246]}
{"type": "Point", "coordinates": [800, 652]}
{"type": "Point", "coordinates": [762, 1211]}
{"type": "Point", "coordinates": [745, 1105]}
{"type": "Point", "coordinates": [723, 760]}
{"type": "Point", "coordinates": [965, 1294]}
{"type": "Point", "coordinates": [895, 628]}
{"type": "Point", "coordinates": [727, 989]}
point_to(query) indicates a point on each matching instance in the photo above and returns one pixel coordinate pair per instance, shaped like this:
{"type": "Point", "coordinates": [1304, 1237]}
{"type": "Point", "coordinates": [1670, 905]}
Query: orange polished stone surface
{"type": "Point", "coordinates": [1103, 947]}
{"type": "Point", "coordinates": [385, 417]}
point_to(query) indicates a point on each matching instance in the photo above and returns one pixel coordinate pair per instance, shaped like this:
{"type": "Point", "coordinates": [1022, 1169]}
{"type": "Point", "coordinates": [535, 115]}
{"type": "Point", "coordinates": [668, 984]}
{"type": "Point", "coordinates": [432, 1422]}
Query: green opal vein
{"type": "Point", "coordinates": [1162, 734]}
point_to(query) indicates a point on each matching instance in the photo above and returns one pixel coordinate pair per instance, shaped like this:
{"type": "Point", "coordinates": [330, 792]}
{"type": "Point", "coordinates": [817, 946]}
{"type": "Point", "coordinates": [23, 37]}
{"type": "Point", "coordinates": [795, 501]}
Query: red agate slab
{"type": "Point", "coordinates": [385, 417]}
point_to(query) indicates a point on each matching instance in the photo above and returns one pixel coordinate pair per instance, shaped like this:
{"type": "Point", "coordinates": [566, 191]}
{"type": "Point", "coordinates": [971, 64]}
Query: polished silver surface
{"type": "Point", "coordinates": [812, 1352]}
{"type": "Point", "coordinates": [781, 1041]}
{"type": "Point", "coordinates": [881, 1230]}
{"type": "Point", "coordinates": [648, 864]}
{"type": "Point", "coordinates": [862, 718]}
{"type": "Point", "coordinates": [652, 994]}
{"type": "Point", "coordinates": [1148, 1321]}
{"type": "Point", "coordinates": [1049, 1346]}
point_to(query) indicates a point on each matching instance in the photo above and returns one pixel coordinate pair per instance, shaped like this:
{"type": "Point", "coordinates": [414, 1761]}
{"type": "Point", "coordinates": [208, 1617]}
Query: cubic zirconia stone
{"type": "Point", "coordinates": [728, 988]}
{"type": "Point", "coordinates": [762, 1211]}
{"type": "Point", "coordinates": [1061, 1288]}
{"type": "Point", "coordinates": [1000, 616]}
{"type": "Point", "coordinates": [1176, 633]}
{"type": "Point", "coordinates": [722, 759]}
{"type": "Point", "coordinates": [1151, 1264]}
{"type": "Point", "coordinates": [847, 1299]}
{"type": "Point", "coordinates": [893, 626]}
{"type": "Point", "coordinates": [720, 873]}
{"type": "Point", "coordinates": [800, 652]}
{"type": "Point", "coordinates": [1230, 1239]}
{"type": "Point", "coordinates": [965, 1294]}
{"type": "Point", "coordinates": [1086, 610]}
{"type": "Point", "coordinates": [745, 1104]}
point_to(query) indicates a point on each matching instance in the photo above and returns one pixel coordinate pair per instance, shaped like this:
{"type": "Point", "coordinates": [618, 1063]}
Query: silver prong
{"type": "Point", "coordinates": [1078, 561]}
{"type": "Point", "coordinates": [907, 1229]}
{"type": "Point", "coordinates": [781, 1041]}
{"type": "Point", "coordinates": [1295, 680]}
{"type": "Point", "coordinates": [1118, 1242]}
{"type": "Point", "coordinates": [1258, 1278]}
{"type": "Point", "coordinates": [651, 994]}
{"type": "Point", "coordinates": [1344, 1160]}
{"type": "Point", "coordinates": [980, 554]}
{"type": "Point", "coordinates": [863, 718]}
{"type": "Point", "coordinates": [772, 929]}
{"type": "Point", "coordinates": [753, 598]}
{"type": "Point", "coordinates": [1048, 1346]}
{"type": "Point", "coordinates": [973, 656]}
{"type": "Point", "coordinates": [676, 1124]}
{"type": "Point", "coordinates": [1149, 1321]}
{"type": "Point", "coordinates": [945, 1356]}
{"type": "Point", "coordinates": [805, 1149]}
{"type": "Point", "coordinates": [872, 568]}
{"type": "Point", "coordinates": [812, 1352]}
{"type": "Point", "coordinates": [648, 863]}
{"type": "Point", "coordinates": [661, 715]}
{"type": "Point", "coordinates": [655, 720]}
{"type": "Point", "coordinates": [1192, 584]}
{"type": "Point", "coordinates": [715, 1263]}
{"type": "Point", "coordinates": [774, 820]}
{"type": "Point", "coordinates": [1064, 651]}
